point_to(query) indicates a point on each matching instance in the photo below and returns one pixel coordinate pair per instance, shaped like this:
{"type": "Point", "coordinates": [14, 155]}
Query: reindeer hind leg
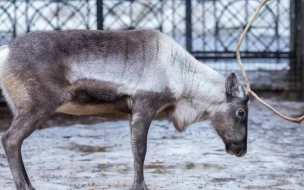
{"type": "Point", "coordinates": [30, 110]}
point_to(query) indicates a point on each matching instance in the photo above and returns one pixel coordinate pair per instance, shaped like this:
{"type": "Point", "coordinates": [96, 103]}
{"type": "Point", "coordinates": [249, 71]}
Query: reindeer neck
{"type": "Point", "coordinates": [203, 90]}
{"type": "Point", "coordinates": [203, 86]}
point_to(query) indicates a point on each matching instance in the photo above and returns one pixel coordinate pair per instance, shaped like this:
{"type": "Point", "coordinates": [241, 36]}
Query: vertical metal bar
{"type": "Point", "coordinates": [292, 43]}
{"type": "Point", "coordinates": [57, 16]}
{"type": "Point", "coordinates": [26, 16]}
{"type": "Point", "coordinates": [161, 15]}
{"type": "Point", "coordinates": [204, 25]}
{"type": "Point", "coordinates": [87, 20]}
{"type": "Point", "coordinates": [15, 20]}
{"type": "Point", "coordinates": [100, 19]}
{"type": "Point", "coordinates": [189, 25]}
{"type": "Point", "coordinates": [277, 35]}
{"type": "Point", "coordinates": [216, 32]}
{"type": "Point", "coordinates": [245, 21]}
{"type": "Point", "coordinates": [132, 24]}
{"type": "Point", "coordinates": [297, 46]}
{"type": "Point", "coordinates": [173, 20]}
{"type": "Point", "coordinates": [300, 46]}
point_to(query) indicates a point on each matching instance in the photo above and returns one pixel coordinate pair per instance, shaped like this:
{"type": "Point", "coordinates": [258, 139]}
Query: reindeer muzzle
{"type": "Point", "coordinates": [236, 149]}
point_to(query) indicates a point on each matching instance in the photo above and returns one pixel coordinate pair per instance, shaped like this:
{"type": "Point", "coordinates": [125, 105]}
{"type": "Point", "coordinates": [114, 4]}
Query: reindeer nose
{"type": "Point", "coordinates": [237, 149]}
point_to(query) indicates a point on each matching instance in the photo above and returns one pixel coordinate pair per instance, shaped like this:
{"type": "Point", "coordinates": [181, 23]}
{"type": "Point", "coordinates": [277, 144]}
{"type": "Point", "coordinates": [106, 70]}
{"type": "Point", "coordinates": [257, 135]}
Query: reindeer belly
{"type": "Point", "coordinates": [75, 108]}
{"type": "Point", "coordinates": [93, 97]}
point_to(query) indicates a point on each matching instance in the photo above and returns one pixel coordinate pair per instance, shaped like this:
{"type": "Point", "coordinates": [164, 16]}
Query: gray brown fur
{"type": "Point", "coordinates": [140, 72]}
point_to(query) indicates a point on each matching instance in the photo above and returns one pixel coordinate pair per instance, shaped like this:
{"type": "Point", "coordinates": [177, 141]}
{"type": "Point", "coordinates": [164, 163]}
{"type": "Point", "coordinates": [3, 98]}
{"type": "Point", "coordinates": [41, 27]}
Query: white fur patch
{"type": "Point", "coordinates": [184, 115]}
{"type": "Point", "coordinates": [172, 68]}
{"type": "Point", "coordinates": [4, 52]}
{"type": "Point", "coordinates": [241, 92]}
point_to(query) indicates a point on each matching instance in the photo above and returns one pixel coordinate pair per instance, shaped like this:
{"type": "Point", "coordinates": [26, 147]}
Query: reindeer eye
{"type": "Point", "coordinates": [240, 113]}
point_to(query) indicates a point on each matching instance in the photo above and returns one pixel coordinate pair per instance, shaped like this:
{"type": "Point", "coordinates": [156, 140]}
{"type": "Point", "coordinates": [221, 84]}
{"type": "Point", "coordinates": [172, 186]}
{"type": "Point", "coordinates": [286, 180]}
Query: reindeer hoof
{"type": "Point", "coordinates": [139, 187]}
{"type": "Point", "coordinates": [26, 188]}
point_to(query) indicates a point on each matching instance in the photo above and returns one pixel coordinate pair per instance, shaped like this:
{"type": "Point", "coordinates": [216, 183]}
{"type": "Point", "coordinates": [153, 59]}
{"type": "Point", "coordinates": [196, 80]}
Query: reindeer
{"type": "Point", "coordinates": [138, 72]}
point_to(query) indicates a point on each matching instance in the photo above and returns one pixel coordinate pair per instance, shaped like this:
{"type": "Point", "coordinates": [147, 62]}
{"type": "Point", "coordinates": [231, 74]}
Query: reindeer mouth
{"type": "Point", "coordinates": [236, 150]}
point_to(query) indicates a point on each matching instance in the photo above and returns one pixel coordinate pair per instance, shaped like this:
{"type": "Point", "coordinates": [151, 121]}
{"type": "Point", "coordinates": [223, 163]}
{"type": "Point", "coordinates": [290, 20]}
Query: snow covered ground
{"type": "Point", "coordinates": [95, 157]}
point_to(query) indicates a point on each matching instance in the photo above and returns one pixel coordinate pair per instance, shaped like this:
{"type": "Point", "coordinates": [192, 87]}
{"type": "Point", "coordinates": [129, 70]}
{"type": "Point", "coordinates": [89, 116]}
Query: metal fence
{"type": "Point", "coordinates": [209, 29]}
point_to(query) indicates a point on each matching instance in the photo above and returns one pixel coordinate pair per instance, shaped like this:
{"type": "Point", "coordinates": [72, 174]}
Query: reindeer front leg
{"type": "Point", "coordinates": [139, 123]}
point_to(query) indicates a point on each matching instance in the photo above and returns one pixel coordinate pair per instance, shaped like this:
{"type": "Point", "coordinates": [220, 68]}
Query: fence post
{"type": "Point", "coordinates": [99, 6]}
{"type": "Point", "coordinates": [189, 25]}
{"type": "Point", "coordinates": [297, 45]}
{"type": "Point", "coordinates": [15, 20]}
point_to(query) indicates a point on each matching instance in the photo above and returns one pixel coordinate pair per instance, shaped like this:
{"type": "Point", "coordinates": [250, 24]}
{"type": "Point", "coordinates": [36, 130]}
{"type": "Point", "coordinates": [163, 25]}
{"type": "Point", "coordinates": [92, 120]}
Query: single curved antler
{"type": "Point", "coordinates": [248, 90]}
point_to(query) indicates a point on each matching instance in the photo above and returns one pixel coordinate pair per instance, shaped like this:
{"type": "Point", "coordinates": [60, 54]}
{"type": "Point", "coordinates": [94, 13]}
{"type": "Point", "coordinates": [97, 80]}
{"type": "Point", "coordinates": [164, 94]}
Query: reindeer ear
{"type": "Point", "coordinates": [231, 84]}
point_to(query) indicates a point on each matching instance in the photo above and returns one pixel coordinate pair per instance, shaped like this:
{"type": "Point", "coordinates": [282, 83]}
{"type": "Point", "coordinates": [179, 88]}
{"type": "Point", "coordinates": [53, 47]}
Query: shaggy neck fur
{"type": "Point", "coordinates": [203, 93]}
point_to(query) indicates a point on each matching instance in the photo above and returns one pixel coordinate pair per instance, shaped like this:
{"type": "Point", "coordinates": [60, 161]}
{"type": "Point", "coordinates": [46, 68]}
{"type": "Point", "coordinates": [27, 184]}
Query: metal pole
{"type": "Point", "coordinates": [300, 45]}
{"type": "Point", "coordinates": [15, 20]}
{"type": "Point", "coordinates": [189, 25]}
{"type": "Point", "coordinates": [99, 6]}
{"type": "Point", "coordinates": [297, 45]}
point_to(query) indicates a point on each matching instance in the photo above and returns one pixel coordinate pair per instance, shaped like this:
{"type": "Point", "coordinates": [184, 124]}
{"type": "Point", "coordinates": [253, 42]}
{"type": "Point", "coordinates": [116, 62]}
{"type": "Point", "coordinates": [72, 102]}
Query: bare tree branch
{"type": "Point", "coordinates": [248, 90]}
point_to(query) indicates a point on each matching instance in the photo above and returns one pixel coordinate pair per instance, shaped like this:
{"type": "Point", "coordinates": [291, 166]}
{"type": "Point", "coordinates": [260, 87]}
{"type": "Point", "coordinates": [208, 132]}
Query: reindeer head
{"type": "Point", "coordinates": [230, 119]}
